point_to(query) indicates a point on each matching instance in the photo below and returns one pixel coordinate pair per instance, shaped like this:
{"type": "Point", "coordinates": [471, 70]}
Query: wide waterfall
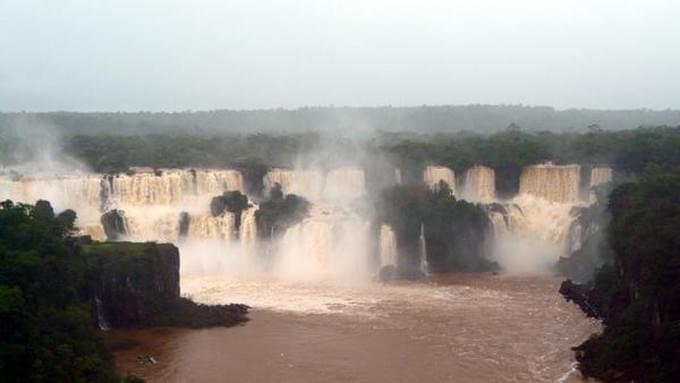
{"type": "Point", "coordinates": [151, 200]}
{"type": "Point", "coordinates": [551, 182]}
{"type": "Point", "coordinates": [434, 174]}
{"type": "Point", "coordinates": [480, 184]}
{"type": "Point", "coordinates": [530, 229]}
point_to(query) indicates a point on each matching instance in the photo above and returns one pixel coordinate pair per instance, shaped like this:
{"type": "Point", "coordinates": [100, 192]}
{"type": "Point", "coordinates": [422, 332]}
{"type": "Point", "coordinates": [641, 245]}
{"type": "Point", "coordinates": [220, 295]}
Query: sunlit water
{"type": "Point", "coordinates": [463, 328]}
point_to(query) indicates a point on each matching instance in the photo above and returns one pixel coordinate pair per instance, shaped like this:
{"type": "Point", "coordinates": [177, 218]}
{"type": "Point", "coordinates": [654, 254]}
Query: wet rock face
{"type": "Point", "coordinates": [114, 223]}
{"type": "Point", "coordinates": [135, 281]}
{"type": "Point", "coordinates": [581, 296]}
{"type": "Point", "coordinates": [232, 202]}
{"type": "Point", "coordinates": [137, 285]}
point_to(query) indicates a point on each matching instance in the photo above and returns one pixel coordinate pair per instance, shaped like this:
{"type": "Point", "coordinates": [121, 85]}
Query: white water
{"type": "Point", "coordinates": [601, 175]}
{"type": "Point", "coordinates": [551, 182]}
{"type": "Point", "coordinates": [480, 184]}
{"type": "Point", "coordinates": [434, 174]}
{"type": "Point", "coordinates": [424, 267]}
{"type": "Point", "coordinates": [388, 246]}
{"type": "Point", "coordinates": [331, 243]}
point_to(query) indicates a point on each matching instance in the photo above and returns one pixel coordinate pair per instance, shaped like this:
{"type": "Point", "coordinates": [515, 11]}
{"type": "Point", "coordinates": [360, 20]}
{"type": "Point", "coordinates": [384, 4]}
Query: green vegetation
{"type": "Point", "coordinates": [629, 152]}
{"type": "Point", "coordinates": [455, 230]}
{"type": "Point", "coordinates": [348, 120]}
{"type": "Point", "coordinates": [47, 332]}
{"type": "Point", "coordinates": [638, 295]}
{"type": "Point", "coordinates": [51, 284]}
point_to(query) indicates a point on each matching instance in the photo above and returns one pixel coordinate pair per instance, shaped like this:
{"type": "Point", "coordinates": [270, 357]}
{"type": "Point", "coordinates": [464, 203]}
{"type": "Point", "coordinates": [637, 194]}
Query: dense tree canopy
{"type": "Point", "coordinates": [47, 331]}
{"type": "Point", "coordinates": [639, 294]}
{"type": "Point", "coordinates": [455, 231]}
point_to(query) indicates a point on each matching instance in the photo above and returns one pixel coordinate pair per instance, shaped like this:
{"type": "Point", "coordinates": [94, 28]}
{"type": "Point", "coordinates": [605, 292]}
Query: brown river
{"type": "Point", "coordinates": [457, 328]}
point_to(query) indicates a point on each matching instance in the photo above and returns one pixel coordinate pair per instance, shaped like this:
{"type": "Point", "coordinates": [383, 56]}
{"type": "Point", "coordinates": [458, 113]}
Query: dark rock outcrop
{"type": "Point", "coordinates": [137, 284]}
{"type": "Point", "coordinates": [231, 201]}
{"type": "Point", "coordinates": [581, 295]}
{"type": "Point", "coordinates": [184, 222]}
{"type": "Point", "coordinates": [114, 223]}
{"type": "Point", "coordinates": [279, 213]}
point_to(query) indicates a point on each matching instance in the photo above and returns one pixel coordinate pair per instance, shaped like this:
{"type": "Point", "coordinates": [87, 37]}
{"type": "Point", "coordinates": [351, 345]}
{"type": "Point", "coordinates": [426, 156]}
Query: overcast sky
{"type": "Point", "coordinates": [130, 55]}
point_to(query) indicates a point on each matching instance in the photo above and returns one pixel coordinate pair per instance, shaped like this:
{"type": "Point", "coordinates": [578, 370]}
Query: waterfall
{"type": "Point", "coordinates": [551, 182]}
{"type": "Point", "coordinates": [434, 174]}
{"type": "Point", "coordinates": [339, 185]}
{"type": "Point", "coordinates": [397, 176]}
{"type": "Point", "coordinates": [388, 246]}
{"type": "Point", "coordinates": [530, 232]}
{"type": "Point", "coordinates": [102, 323]}
{"type": "Point", "coordinates": [480, 184]}
{"type": "Point", "coordinates": [217, 181]}
{"type": "Point", "coordinates": [601, 175]}
{"type": "Point", "coordinates": [343, 184]}
{"type": "Point", "coordinates": [248, 230]}
{"type": "Point", "coordinates": [209, 227]}
{"type": "Point", "coordinates": [424, 268]}
{"type": "Point", "coordinates": [148, 188]}
{"type": "Point", "coordinates": [330, 243]}
{"type": "Point", "coordinates": [306, 183]}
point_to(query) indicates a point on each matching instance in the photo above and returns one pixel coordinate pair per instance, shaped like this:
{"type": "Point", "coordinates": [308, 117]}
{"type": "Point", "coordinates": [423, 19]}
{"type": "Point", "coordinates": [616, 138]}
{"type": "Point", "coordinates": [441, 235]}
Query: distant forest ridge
{"type": "Point", "coordinates": [349, 120]}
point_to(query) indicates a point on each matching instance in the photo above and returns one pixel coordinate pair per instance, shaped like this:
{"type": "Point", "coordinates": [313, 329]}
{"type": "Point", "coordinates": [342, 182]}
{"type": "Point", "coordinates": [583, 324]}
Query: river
{"type": "Point", "coordinates": [453, 328]}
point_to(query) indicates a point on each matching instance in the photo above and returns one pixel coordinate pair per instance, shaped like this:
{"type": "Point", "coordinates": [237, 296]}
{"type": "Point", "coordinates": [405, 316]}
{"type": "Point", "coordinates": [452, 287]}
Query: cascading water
{"type": "Point", "coordinates": [434, 174]}
{"type": "Point", "coordinates": [600, 175]}
{"type": "Point", "coordinates": [397, 176]}
{"type": "Point", "coordinates": [330, 243]}
{"type": "Point", "coordinates": [388, 246]}
{"type": "Point", "coordinates": [551, 182]}
{"type": "Point", "coordinates": [248, 230]}
{"type": "Point", "coordinates": [331, 239]}
{"type": "Point", "coordinates": [424, 268]}
{"type": "Point", "coordinates": [480, 184]}
{"type": "Point", "coordinates": [306, 183]}
{"type": "Point", "coordinates": [344, 184]}
{"type": "Point", "coordinates": [532, 229]}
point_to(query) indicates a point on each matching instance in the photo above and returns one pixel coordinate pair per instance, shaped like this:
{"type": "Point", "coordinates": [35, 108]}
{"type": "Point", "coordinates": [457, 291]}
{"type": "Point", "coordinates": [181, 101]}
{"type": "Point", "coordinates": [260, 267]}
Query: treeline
{"type": "Point", "coordinates": [628, 152]}
{"type": "Point", "coordinates": [349, 120]}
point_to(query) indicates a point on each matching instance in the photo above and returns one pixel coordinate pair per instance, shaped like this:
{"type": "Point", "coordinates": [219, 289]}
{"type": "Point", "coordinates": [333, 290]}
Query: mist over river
{"type": "Point", "coordinates": [461, 327]}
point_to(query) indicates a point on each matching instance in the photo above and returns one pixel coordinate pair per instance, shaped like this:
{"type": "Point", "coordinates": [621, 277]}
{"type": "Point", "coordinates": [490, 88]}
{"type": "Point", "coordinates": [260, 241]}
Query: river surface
{"type": "Point", "coordinates": [457, 328]}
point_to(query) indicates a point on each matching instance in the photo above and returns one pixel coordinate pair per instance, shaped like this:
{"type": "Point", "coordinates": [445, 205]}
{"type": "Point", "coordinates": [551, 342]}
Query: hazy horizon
{"type": "Point", "coordinates": [86, 56]}
{"type": "Point", "coordinates": [303, 107]}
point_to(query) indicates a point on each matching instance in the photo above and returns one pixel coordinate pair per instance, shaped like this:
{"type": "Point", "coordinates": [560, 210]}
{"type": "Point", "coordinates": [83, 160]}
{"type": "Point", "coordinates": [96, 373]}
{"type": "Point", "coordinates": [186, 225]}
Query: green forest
{"type": "Point", "coordinates": [637, 291]}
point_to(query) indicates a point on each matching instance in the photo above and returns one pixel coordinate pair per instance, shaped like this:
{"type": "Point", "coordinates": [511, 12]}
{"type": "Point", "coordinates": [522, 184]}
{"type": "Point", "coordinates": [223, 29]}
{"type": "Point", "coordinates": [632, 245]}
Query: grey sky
{"type": "Point", "coordinates": [176, 55]}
